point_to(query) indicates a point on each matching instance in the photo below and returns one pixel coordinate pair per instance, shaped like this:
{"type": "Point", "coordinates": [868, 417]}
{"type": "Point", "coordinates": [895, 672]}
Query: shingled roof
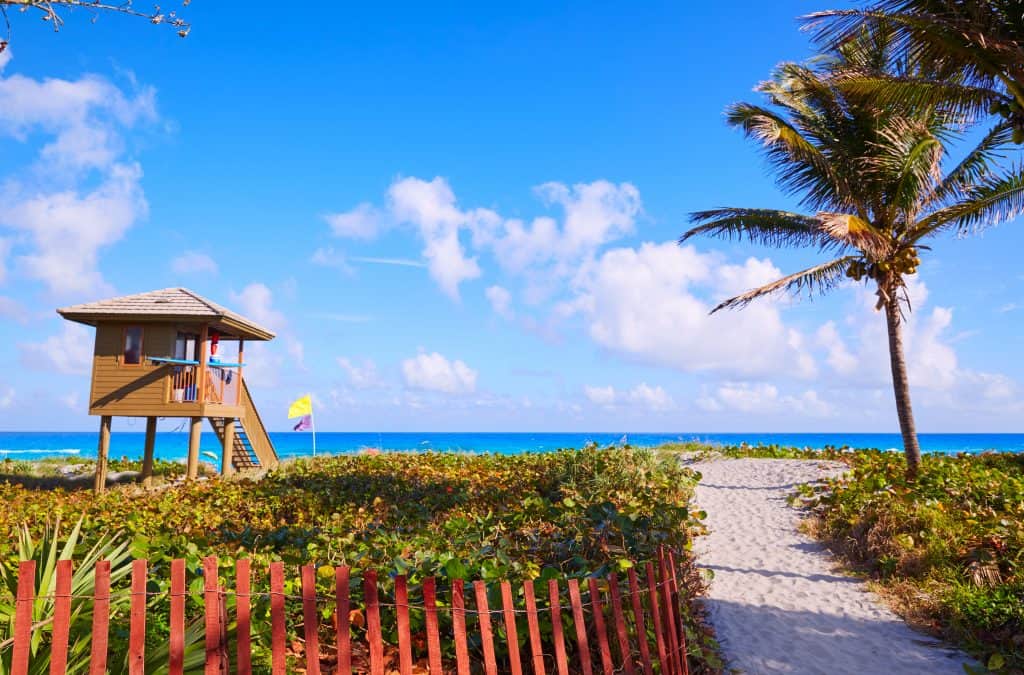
{"type": "Point", "coordinates": [169, 304]}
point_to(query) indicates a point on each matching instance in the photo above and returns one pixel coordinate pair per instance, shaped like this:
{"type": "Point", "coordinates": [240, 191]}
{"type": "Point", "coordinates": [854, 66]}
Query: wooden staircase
{"type": "Point", "coordinates": [253, 448]}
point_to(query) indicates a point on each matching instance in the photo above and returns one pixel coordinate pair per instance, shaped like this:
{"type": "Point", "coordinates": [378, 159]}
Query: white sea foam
{"type": "Point", "coordinates": [41, 451]}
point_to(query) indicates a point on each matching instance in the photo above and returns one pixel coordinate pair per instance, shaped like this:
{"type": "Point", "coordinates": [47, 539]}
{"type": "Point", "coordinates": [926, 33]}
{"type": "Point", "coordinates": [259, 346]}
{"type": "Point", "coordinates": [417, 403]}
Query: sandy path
{"type": "Point", "coordinates": [776, 601]}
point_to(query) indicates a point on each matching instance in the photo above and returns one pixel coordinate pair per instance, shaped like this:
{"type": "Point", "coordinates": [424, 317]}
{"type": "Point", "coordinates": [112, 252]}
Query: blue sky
{"type": "Point", "coordinates": [458, 218]}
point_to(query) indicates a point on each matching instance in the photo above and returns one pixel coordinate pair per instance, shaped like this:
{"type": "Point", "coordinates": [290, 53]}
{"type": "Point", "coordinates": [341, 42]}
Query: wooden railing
{"type": "Point", "coordinates": [629, 625]}
{"type": "Point", "coordinates": [222, 384]}
{"type": "Point", "coordinates": [255, 430]}
{"type": "Point", "coordinates": [183, 384]}
{"type": "Point", "coordinates": [193, 382]}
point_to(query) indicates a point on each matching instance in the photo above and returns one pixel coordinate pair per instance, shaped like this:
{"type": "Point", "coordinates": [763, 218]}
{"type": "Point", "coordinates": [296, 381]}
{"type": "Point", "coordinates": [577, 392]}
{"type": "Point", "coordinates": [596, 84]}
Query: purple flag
{"type": "Point", "coordinates": [305, 424]}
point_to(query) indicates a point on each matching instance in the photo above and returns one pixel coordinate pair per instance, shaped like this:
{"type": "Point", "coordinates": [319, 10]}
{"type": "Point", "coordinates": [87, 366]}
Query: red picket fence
{"type": "Point", "coordinates": [612, 625]}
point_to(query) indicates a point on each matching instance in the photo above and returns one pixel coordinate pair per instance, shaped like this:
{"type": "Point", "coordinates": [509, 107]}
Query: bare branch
{"type": "Point", "coordinates": [53, 10]}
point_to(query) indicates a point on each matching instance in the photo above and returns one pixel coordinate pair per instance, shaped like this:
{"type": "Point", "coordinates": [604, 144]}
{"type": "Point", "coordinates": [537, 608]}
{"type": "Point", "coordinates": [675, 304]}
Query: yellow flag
{"type": "Point", "coordinates": [301, 406]}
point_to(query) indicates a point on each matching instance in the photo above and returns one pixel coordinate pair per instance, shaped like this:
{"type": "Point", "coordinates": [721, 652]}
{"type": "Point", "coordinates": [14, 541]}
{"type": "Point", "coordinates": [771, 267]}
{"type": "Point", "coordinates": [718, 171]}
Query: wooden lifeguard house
{"type": "Point", "coordinates": [168, 353]}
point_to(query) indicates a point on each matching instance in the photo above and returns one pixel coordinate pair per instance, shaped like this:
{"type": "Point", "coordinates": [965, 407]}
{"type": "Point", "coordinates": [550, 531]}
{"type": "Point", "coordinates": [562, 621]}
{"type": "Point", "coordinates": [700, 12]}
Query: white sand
{"type": "Point", "coordinates": [777, 603]}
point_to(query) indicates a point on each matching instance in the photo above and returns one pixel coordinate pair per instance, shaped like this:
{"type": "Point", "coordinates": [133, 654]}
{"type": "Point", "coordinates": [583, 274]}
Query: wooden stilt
{"type": "Point", "coordinates": [192, 472]}
{"type": "Point", "coordinates": [226, 467]}
{"type": "Point", "coordinates": [101, 455]}
{"type": "Point", "coordinates": [147, 457]}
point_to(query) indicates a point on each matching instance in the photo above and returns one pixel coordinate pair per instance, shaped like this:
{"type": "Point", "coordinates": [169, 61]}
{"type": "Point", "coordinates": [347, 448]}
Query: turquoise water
{"type": "Point", "coordinates": [173, 446]}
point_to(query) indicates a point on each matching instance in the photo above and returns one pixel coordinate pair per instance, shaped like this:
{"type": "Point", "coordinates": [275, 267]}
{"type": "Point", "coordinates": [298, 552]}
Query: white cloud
{"type": "Point", "coordinates": [264, 361]}
{"type": "Point", "coordinates": [593, 214]}
{"type": "Point", "coordinates": [328, 257]}
{"type": "Point", "coordinates": [256, 302]}
{"type": "Point", "coordinates": [6, 393]}
{"type": "Point", "coordinates": [82, 194]}
{"type": "Point", "coordinates": [602, 396]}
{"type": "Point", "coordinates": [644, 303]}
{"type": "Point", "coordinates": [501, 301]}
{"type": "Point", "coordinates": [68, 228]}
{"type": "Point", "coordinates": [434, 372]}
{"type": "Point", "coordinates": [431, 207]}
{"type": "Point", "coordinates": [5, 248]}
{"type": "Point", "coordinates": [859, 356]}
{"type": "Point", "coordinates": [642, 395]}
{"type": "Point", "coordinates": [362, 222]}
{"type": "Point", "coordinates": [838, 356]}
{"type": "Point", "coordinates": [194, 262]}
{"type": "Point", "coordinates": [68, 352]}
{"type": "Point", "coordinates": [763, 398]}
{"type": "Point", "coordinates": [362, 375]}
{"type": "Point", "coordinates": [84, 116]}
{"type": "Point", "coordinates": [396, 262]}
{"type": "Point", "coordinates": [654, 398]}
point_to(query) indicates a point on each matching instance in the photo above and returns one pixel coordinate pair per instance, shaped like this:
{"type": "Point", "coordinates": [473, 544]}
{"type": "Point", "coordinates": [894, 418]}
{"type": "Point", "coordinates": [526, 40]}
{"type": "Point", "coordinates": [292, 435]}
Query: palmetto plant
{"type": "Point", "coordinates": [49, 548]}
{"type": "Point", "coordinates": [873, 176]}
{"type": "Point", "coordinates": [980, 42]}
{"type": "Point", "coordinates": [46, 551]}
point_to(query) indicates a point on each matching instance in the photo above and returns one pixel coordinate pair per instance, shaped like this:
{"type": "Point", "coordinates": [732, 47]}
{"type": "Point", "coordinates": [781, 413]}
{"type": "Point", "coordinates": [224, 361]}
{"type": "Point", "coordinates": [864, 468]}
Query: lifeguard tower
{"type": "Point", "coordinates": [169, 353]}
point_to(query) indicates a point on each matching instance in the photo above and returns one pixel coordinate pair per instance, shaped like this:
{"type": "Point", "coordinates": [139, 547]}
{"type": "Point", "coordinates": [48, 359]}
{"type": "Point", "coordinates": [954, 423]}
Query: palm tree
{"type": "Point", "coordinates": [981, 42]}
{"type": "Point", "coordinates": [871, 175]}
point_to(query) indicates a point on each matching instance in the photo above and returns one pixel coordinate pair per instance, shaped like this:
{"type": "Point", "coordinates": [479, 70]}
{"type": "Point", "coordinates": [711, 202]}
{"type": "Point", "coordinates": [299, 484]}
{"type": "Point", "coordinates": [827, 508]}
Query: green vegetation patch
{"type": "Point", "coordinates": [491, 517]}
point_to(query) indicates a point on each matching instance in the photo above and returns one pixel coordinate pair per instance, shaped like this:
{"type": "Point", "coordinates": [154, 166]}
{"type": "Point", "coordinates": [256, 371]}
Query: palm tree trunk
{"type": "Point", "coordinates": [901, 385]}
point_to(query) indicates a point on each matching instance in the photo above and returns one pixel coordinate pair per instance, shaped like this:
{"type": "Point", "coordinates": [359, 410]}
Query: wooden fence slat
{"type": "Point", "coordinates": [619, 619]}
{"type": "Point", "coordinates": [176, 644]}
{"type": "Point", "coordinates": [373, 632]}
{"type": "Point", "coordinates": [508, 608]}
{"type": "Point", "coordinates": [678, 610]}
{"type": "Point", "coordinates": [557, 634]}
{"type": "Point", "coordinates": [580, 624]}
{"type": "Point", "coordinates": [61, 619]}
{"type": "Point", "coordinates": [278, 661]}
{"type": "Point", "coordinates": [343, 605]}
{"type": "Point", "coordinates": [638, 619]}
{"type": "Point", "coordinates": [600, 627]}
{"type": "Point", "coordinates": [310, 620]}
{"type": "Point", "coordinates": [433, 633]}
{"type": "Point", "coordinates": [669, 616]}
{"type": "Point", "coordinates": [211, 613]}
{"type": "Point", "coordinates": [402, 617]}
{"type": "Point", "coordinates": [137, 621]}
{"type": "Point", "coordinates": [23, 617]}
{"type": "Point", "coordinates": [243, 615]}
{"type": "Point", "coordinates": [483, 612]}
{"type": "Point", "coordinates": [536, 647]}
{"type": "Point", "coordinates": [459, 627]}
{"type": "Point", "coordinates": [652, 603]}
{"type": "Point", "coordinates": [100, 619]}
{"type": "Point", "coordinates": [222, 627]}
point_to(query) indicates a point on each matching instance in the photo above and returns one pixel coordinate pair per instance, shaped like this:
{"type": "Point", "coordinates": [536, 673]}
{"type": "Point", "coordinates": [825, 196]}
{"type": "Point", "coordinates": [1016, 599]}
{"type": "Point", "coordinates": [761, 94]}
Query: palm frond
{"type": "Point", "coordinates": [855, 232]}
{"type": "Point", "coordinates": [818, 279]}
{"type": "Point", "coordinates": [998, 197]}
{"type": "Point", "coordinates": [975, 165]}
{"type": "Point", "coordinates": [963, 37]}
{"type": "Point", "coordinates": [766, 227]}
{"type": "Point", "coordinates": [802, 167]}
{"type": "Point", "coordinates": [907, 158]}
{"type": "Point", "coordinates": [971, 103]}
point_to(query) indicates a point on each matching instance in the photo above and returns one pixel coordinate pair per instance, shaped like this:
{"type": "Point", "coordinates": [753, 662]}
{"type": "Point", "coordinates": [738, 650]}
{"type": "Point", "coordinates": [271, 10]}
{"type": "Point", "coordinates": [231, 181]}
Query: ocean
{"type": "Point", "coordinates": [174, 446]}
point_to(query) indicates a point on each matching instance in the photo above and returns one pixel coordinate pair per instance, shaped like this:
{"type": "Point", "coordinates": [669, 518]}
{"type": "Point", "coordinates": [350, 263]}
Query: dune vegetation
{"type": "Point", "coordinates": [456, 516]}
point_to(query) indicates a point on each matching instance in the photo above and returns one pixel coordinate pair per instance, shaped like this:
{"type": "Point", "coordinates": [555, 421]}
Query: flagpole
{"type": "Point", "coordinates": [312, 423]}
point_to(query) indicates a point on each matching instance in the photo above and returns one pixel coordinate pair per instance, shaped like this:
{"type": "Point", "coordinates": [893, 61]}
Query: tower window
{"type": "Point", "coordinates": [132, 346]}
